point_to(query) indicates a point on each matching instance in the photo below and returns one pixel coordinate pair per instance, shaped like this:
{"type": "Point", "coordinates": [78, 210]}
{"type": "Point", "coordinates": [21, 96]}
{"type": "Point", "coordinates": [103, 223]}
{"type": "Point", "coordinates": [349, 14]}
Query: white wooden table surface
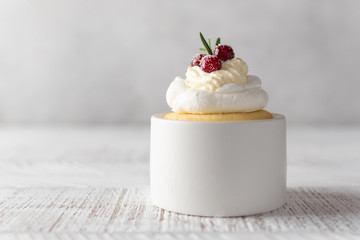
{"type": "Point", "coordinates": [93, 183]}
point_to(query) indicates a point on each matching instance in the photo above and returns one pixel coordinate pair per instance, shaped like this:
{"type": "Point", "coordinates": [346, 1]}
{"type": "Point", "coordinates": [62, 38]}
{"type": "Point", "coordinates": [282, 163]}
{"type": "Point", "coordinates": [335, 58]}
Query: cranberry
{"type": "Point", "coordinates": [210, 63]}
{"type": "Point", "coordinates": [224, 52]}
{"type": "Point", "coordinates": [196, 60]}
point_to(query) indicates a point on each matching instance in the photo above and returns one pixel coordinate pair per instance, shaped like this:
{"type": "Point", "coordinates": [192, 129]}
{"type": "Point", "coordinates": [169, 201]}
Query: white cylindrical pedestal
{"type": "Point", "coordinates": [218, 168]}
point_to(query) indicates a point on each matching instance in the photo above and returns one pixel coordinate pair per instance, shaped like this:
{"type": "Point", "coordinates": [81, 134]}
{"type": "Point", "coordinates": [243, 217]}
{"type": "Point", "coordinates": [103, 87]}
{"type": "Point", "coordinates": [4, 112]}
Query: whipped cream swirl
{"type": "Point", "coordinates": [224, 91]}
{"type": "Point", "coordinates": [229, 98]}
{"type": "Point", "coordinates": [232, 71]}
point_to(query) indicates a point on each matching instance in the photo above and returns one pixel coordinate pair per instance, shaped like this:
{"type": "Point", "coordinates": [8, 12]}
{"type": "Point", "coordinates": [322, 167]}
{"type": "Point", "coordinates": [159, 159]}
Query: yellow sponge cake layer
{"type": "Point", "coordinates": [245, 116]}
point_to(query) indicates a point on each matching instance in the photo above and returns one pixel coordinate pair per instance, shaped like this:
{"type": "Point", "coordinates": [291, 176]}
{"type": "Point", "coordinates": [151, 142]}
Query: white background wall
{"type": "Point", "coordinates": [73, 61]}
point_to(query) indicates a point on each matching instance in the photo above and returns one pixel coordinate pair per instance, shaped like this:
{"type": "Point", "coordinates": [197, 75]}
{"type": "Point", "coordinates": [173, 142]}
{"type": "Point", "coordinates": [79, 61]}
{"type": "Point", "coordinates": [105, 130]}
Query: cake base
{"type": "Point", "coordinates": [245, 116]}
{"type": "Point", "coordinates": [209, 168]}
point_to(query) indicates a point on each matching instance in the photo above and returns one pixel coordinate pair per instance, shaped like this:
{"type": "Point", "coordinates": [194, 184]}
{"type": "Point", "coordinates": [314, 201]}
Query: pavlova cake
{"type": "Point", "coordinates": [217, 87]}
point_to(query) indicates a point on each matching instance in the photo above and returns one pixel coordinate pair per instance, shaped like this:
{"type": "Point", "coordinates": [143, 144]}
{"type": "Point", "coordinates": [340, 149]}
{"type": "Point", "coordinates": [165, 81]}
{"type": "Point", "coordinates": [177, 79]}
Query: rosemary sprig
{"type": "Point", "coordinates": [217, 41]}
{"type": "Point", "coordinates": [207, 47]}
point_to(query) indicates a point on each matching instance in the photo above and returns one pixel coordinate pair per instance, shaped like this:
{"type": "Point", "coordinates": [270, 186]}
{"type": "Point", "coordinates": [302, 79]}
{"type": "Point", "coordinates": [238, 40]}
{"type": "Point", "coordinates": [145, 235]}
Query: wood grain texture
{"type": "Point", "coordinates": [93, 183]}
{"type": "Point", "coordinates": [130, 210]}
{"type": "Point", "coordinates": [178, 236]}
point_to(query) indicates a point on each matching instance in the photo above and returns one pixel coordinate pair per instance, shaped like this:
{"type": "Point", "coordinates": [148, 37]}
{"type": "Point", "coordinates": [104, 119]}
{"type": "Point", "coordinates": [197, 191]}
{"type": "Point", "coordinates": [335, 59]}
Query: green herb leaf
{"type": "Point", "coordinates": [202, 49]}
{"type": "Point", "coordinates": [217, 41]}
{"type": "Point", "coordinates": [209, 44]}
{"type": "Point", "coordinates": [208, 49]}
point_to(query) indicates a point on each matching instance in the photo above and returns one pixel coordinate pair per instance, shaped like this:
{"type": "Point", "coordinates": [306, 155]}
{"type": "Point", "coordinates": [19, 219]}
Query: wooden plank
{"type": "Point", "coordinates": [92, 183]}
{"type": "Point", "coordinates": [129, 210]}
{"type": "Point", "coordinates": [178, 236]}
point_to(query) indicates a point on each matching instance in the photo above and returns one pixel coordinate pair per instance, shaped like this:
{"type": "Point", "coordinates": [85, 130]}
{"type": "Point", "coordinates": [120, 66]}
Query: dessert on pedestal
{"type": "Point", "coordinates": [219, 153]}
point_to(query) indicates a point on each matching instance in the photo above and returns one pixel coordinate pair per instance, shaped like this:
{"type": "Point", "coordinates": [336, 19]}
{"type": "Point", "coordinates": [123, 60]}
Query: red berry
{"type": "Point", "coordinates": [224, 52]}
{"type": "Point", "coordinates": [210, 63]}
{"type": "Point", "coordinates": [196, 60]}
